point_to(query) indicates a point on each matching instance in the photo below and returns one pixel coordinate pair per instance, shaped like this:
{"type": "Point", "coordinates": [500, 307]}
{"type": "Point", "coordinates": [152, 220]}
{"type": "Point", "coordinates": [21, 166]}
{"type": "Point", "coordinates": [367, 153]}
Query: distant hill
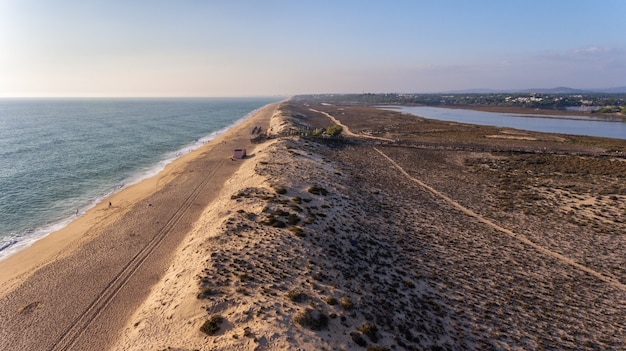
{"type": "Point", "coordinates": [475, 91]}
{"type": "Point", "coordinates": [557, 90]}
{"type": "Point", "coordinates": [616, 90]}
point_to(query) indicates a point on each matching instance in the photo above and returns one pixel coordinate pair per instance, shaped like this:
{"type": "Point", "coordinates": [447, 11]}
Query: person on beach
{"type": "Point", "coordinates": [110, 204]}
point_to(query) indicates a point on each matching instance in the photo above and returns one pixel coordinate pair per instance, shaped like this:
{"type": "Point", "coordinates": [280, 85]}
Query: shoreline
{"type": "Point", "coordinates": [530, 111]}
{"type": "Point", "coordinates": [346, 243]}
{"type": "Point", "coordinates": [83, 248]}
{"type": "Point", "coordinates": [578, 125]}
{"type": "Point", "coordinates": [62, 222]}
{"type": "Point", "coordinates": [86, 210]}
{"type": "Point", "coordinates": [413, 243]}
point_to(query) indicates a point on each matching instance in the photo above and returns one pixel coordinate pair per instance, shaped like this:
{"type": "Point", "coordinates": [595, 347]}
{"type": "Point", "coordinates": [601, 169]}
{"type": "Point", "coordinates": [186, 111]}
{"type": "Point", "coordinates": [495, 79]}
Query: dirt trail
{"type": "Point", "coordinates": [612, 281]}
{"type": "Point", "coordinates": [346, 130]}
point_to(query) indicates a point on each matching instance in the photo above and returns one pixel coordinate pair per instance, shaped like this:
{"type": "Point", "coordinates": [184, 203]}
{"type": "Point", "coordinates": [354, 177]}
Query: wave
{"type": "Point", "coordinates": [13, 243]}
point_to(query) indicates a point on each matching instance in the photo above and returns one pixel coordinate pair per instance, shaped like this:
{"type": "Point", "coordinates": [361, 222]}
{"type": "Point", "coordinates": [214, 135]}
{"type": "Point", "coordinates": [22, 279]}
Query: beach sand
{"type": "Point", "coordinates": [76, 287]}
{"type": "Point", "coordinates": [406, 234]}
{"type": "Point", "coordinates": [323, 244]}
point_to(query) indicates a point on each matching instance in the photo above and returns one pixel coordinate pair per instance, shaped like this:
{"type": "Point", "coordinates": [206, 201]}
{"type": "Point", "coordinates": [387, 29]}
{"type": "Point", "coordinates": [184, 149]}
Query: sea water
{"type": "Point", "coordinates": [59, 157]}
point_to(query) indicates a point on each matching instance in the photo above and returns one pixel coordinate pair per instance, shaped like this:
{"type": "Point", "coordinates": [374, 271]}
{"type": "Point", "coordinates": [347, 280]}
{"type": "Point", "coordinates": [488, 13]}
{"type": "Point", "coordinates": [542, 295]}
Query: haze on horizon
{"type": "Point", "coordinates": [71, 48]}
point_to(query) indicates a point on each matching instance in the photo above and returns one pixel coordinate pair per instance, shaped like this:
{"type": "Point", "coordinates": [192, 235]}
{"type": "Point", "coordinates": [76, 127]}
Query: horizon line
{"type": "Point", "coordinates": [147, 97]}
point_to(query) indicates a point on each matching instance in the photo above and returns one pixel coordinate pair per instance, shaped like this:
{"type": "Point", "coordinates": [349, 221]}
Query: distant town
{"type": "Point", "coordinates": [591, 102]}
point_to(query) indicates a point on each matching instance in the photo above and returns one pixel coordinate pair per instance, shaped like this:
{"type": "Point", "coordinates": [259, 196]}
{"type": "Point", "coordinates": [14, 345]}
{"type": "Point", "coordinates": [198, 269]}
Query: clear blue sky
{"type": "Point", "coordinates": [280, 47]}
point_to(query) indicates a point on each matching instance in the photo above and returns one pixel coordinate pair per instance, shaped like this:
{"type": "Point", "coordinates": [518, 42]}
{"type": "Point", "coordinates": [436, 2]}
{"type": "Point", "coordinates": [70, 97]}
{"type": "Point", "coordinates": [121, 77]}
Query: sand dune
{"type": "Point", "coordinates": [376, 242]}
{"type": "Point", "coordinates": [323, 244]}
{"type": "Point", "coordinates": [76, 288]}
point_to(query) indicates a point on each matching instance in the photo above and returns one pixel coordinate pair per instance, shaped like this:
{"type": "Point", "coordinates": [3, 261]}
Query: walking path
{"type": "Point", "coordinates": [610, 280]}
{"type": "Point", "coordinates": [347, 130]}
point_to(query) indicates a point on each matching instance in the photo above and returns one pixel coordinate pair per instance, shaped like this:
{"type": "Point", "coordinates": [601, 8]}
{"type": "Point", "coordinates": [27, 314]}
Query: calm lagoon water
{"type": "Point", "coordinates": [576, 125]}
{"type": "Point", "coordinates": [58, 156]}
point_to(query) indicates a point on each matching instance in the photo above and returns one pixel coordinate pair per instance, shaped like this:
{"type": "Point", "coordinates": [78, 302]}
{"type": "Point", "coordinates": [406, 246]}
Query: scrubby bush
{"type": "Point", "coordinates": [312, 319]}
{"type": "Point", "coordinates": [377, 348]}
{"type": "Point", "coordinates": [408, 283]}
{"type": "Point", "coordinates": [331, 300]}
{"type": "Point", "coordinates": [297, 231]}
{"type": "Point", "coordinates": [370, 330]}
{"type": "Point", "coordinates": [317, 190]}
{"type": "Point", "coordinates": [358, 339]}
{"type": "Point", "coordinates": [280, 189]}
{"type": "Point", "coordinates": [296, 295]}
{"type": "Point", "coordinates": [334, 130]}
{"type": "Point", "coordinates": [212, 325]}
{"type": "Point", "coordinates": [245, 277]}
{"type": "Point", "coordinates": [293, 219]}
{"type": "Point", "coordinates": [274, 222]}
{"type": "Point", "coordinates": [208, 292]}
{"type": "Point", "coordinates": [346, 303]}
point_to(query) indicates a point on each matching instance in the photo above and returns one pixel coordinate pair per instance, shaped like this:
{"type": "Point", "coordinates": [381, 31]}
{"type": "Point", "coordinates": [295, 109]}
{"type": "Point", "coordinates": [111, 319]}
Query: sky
{"type": "Point", "coordinates": [189, 48]}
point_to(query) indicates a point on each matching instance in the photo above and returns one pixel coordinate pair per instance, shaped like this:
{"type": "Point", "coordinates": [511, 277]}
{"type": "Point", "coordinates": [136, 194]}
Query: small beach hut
{"type": "Point", "coordinates": [239, 154]}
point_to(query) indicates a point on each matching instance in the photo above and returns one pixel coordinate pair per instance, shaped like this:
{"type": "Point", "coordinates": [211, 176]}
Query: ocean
{"type": "Point", "coordinates": [60, 157]}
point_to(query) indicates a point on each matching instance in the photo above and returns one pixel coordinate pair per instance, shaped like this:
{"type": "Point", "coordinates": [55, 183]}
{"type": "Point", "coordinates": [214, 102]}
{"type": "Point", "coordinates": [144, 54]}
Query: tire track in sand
{"type": "Point", "coordinates": [71, 335]}
{"type": "Point", "coordinates": [610, 280]}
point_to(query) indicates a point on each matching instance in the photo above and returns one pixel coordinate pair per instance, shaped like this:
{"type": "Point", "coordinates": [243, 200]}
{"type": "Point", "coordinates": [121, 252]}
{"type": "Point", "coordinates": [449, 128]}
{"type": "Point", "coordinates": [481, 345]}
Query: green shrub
{"type": "Point", "coordinates": [334, 130]}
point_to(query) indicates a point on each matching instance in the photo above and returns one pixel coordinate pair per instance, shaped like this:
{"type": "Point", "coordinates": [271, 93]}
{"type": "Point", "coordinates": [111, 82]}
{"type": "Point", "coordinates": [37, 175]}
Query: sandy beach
{"type": "Point", "coordinates": [405, 233]}
{"type": "Point", "coordinates": [360, 242]}
{"type": "Point", "coordinates": [75, 288]}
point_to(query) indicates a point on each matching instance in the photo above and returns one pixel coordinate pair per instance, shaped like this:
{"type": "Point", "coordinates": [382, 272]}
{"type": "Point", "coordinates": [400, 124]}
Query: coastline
{"type": "Point", "coordinates": [44, 247]}
{"type": "Point", "coordinates": [62, 220]}
{"type": "Point", "coordinates": [104, 227]}
{"type": "Point", "coordinates": [408, 240]}
{"type": "Point", "coordinates": [415, 242]}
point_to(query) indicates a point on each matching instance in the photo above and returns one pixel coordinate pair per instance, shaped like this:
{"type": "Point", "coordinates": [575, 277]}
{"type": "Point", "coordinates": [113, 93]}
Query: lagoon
{"type": "Point", "coordinates": [575, 125]}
